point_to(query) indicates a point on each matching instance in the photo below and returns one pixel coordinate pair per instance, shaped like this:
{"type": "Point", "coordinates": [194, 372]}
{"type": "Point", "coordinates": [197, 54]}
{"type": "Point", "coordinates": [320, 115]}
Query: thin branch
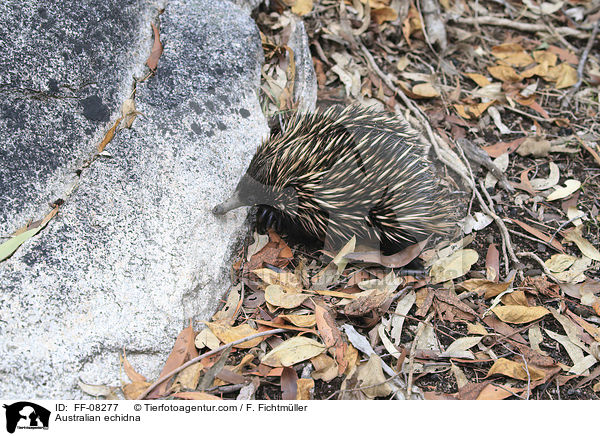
{"type": "Point", "coordinates": [525, 27]}
{"type": "Point", "coordinates": [581, 65]}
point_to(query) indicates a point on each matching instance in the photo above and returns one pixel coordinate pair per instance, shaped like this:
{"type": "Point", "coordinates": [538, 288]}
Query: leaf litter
{"type": "Point", "coordinates": [510, 311]}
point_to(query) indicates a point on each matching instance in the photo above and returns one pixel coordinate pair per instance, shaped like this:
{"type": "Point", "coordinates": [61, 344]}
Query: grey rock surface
{"type": "Point", "coordinates": [134, 252]}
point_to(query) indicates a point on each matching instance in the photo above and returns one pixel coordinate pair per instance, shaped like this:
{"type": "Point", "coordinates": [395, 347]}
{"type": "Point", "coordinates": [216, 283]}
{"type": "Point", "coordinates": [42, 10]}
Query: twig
{"type": "Point", "coordinates": [589, 150]}
{"type": "Point", "coordinates": [523, 235]}
{"type": "Point", "coordinates": [540, 262]}
{"type": "Point", "coordinates": [202, 356]}
{"type": "Point", "coordinates": [525, 27]}
{"type": "Point", "coordinates": [581, 66]}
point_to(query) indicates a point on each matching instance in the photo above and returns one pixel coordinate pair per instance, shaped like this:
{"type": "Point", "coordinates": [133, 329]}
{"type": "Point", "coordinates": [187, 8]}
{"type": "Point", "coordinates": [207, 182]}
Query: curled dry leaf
{"type": "Point", "coordinates": [302, 7]}
{"type": "Point", "coordinates": [540, 184]}
{"type": "Point", "coordinates": [559, 262]}
{"type": "Point", "coordinates": [331, 335]}
{"type": "Point", "coordinates": [280, 297]}
{"type": "Point", "coordinates": [520, 314]}
{"type": "Point", "coordinates": [109, 135]}
{"type": "Point", "coordinates": [372, 381]}
{"type": "Point", "coordinates": [133, 375]}
{"type": "Point", "coordinates": [300, 320]}
{"type": "Point", "coordinates": [326, 368]}
{"type": "Point", "coordinates": [482, 286]}
{"type": "Point", "coordinates": [292, 351]}
{"type": "Point", "coordinates": [535, 146]}
{"type": "Point", "coordinates": [157, 50]}
{"type": "Point", "coordinates": [304, 387]}
{"type": "Point", "coordinates": [456, 265]}
{"type": "Point", "coordinates": [586, 248]}
{"type": "Point", "coordinates": [515, 370]}
{"type": "Point", "coordinates": [460, 347]}
{"type": "Point", "coordinates": [227, 334]}
{"type": "Point", "coordinates": [570, 187]}
{"type": "Point", "coordinates": [206, 338]}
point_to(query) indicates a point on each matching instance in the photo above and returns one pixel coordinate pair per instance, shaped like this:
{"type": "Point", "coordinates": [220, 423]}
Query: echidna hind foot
{"type": "Point", "coordinates": [343, 172]}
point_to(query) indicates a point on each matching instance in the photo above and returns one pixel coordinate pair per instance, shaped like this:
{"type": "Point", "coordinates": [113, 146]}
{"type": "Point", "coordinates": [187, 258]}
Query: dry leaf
{"type": "Point", "coordinates": [300, 320]}
{"type": "Point", "coordinates": [402, 309]}
{"type": "Point", "coordinates": [559, 262]}
{"type": "Point", "coordinates": [288, 383]}
{"type": "Point", "coordinates": [280, 297]}
{"type": "Point", "coordinates": [10, 246]}
{"type": "Point", "coordinates": [331, 335]}
{"type": "Point", "coordinates": [201, 396]}
{"type": "Point", "coordinates": [302, 7]}
{"type": "Point", "coordinates": [425, 90]}
{"type": "Point", "coordinates": [480, 79]}
{"type": "Point", "coordinates": [109, 135]}
{"type": "Point", "coordinates": [504, 73]}
{"type": "Point", "coordinates": [587, 249]}
{"type": "Point", "coordinates": [292, 351]}
{"type": "Point", "coordinates": [304, 388]}
{"type": "Point", "coordinates": [326, 368]}
{"type": "Point", "coordinates": [520, 314]}
{"type": "Point", "coordinates": [157, 50]}
{"type": "Point", "coordinates": [515, 370]}
{"type": "Point", "coordinates": [456, 265]}
{"type": "Point", "coordinates": [482, 286]}
{"type": "Point", "coordinates": [534, 146]}
{"type": "Point", "coordinates": [133, 375]}
{"type": "Point", "coordinates": [183, 350]}
{"type": "Point", "coordinates": [227, 334]}
{"type": "Point", "coordinates": [132, 391]}
{"type": "Point", "coordinates": [372, 381]}
{"type": "Point", "coordinates": [571, 186]}
{"type": "Point", "coordinates": [384, 14]}
{"type": "Point", "coordinates": [459, 348]}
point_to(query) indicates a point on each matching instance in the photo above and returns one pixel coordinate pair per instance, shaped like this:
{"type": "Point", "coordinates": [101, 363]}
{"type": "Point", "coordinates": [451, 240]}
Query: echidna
{"type": "Point", "coordinates": [341, 172]}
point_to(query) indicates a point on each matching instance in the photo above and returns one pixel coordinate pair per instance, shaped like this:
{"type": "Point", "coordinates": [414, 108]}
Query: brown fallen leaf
{"type": "Point", "coordinates": [201, 396]}
{"type": "Point", "coordinates": [292, 351]}
{"type": "Point", "coordinates": [331, 335]}
{"type": "Point", "coordinates": [227, 334]}
{"type": "Point", "coordinates": [132, 391]}
{"type": "Point", "coordinates": [515, 370]}
{"type": "Point", "coordinates": [109, 135]}
{"type": "Point", "coordinates": [491, 392]}
{"type": "Point", "coordinates": [183, 350]}
{"type": "Point", "coordinates": [133, 375]}
{"type": "Point", "coordinates": [289, 387]}
{"type": "Point", "coordinates": [520, 314]}
{"type": "Point", "coordinates": [538, 234]}
{"type": "Point", "coordinates": [157, 50]}
{"type": "Point", "coordinates": [304, 388]}
{"type": "Point", "coordinates": [482, 286]}
{"type": "Point", "coordinates": [396, 260]}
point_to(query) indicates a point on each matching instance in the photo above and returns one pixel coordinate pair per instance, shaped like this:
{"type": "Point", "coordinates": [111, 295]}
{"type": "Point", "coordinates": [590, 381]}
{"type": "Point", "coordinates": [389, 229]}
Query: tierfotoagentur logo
{"type": "Point", "coordinates": [26, 415]}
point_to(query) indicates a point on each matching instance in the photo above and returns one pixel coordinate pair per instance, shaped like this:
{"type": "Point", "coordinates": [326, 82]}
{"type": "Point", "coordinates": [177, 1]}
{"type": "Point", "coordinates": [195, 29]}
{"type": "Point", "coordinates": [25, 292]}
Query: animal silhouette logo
{"type": "Point", "coordinates": [26, 415]}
